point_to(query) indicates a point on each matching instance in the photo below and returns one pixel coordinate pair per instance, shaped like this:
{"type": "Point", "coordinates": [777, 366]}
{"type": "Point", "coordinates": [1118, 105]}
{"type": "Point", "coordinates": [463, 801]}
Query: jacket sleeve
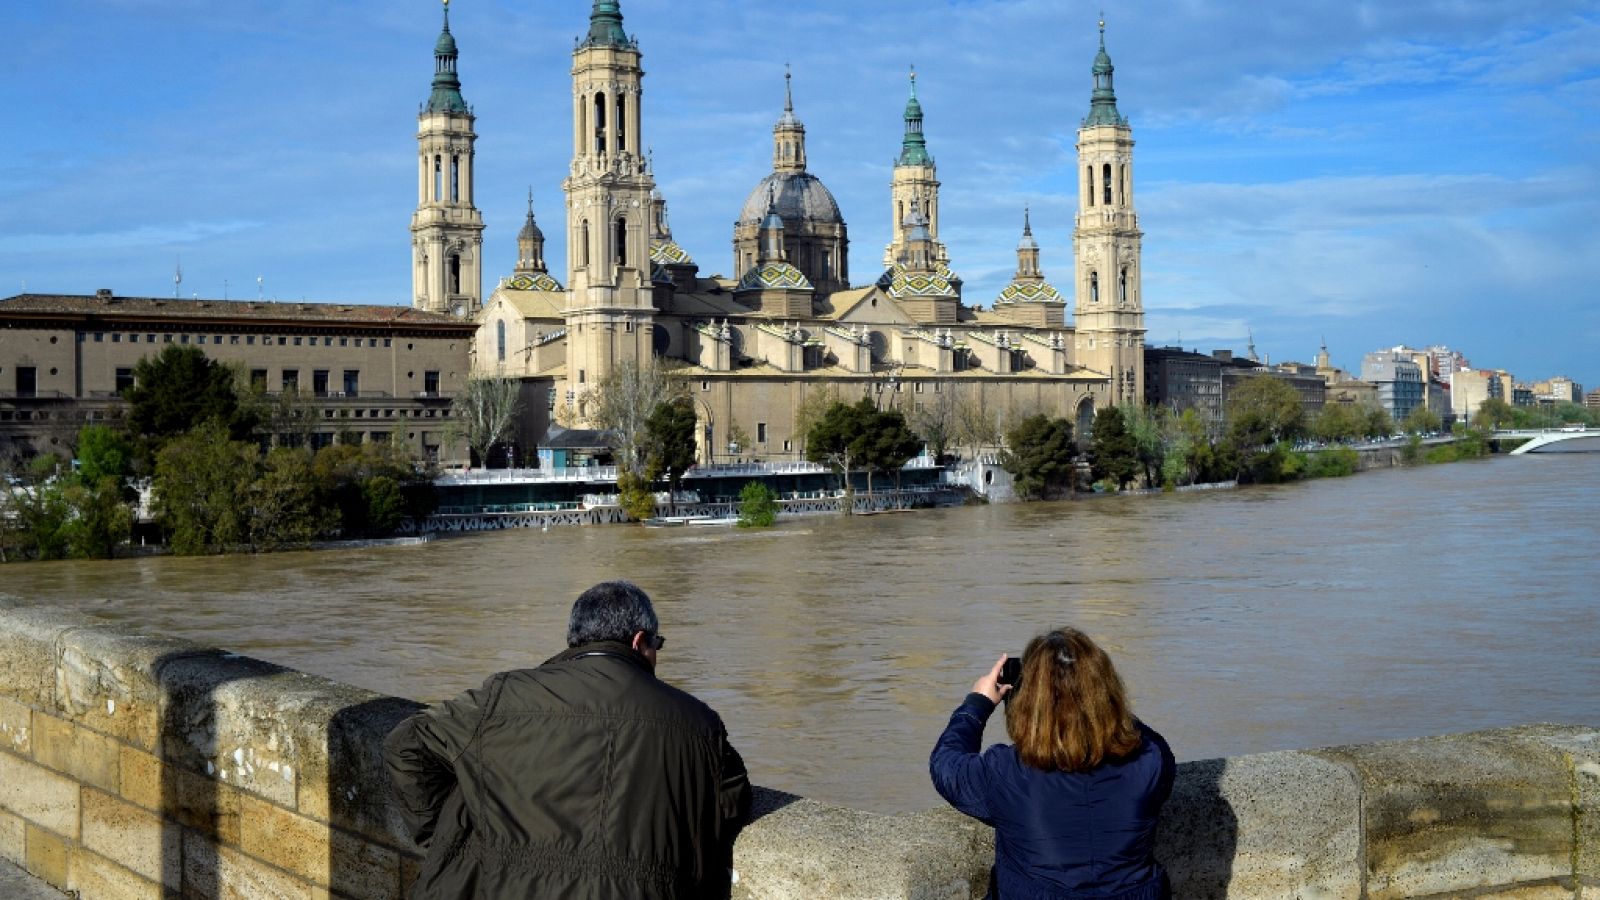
{"type": "Point", "coordinates": [420, 754]}
{"type": "Point", "coordinates": [956, 766]}
{"type": "Point", "coordinates": [733, 795]}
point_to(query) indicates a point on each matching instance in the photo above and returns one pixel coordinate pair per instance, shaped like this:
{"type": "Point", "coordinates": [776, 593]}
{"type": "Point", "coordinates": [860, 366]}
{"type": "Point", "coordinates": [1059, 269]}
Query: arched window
{"type": "Point", "coordinates": [500, 336]}
{"type": "Point", "coordinates": [455, 273]}
{"type": "Point", "coordinates": [584, 241]}
{"type": "Point", "coordinates": [438, 178]}
{"type": "Point", "coordinates": [1122, 181]}
{"type": "Point", "coordinates": [455, 179]}
{"type": "Point", "coordinates": [1122, 286]}
{"type": "Point", "coordinates": [622, 241]}
{"type": "Point", "coordinates": [622, 123]}
{"type": "Point", "coordinates": [1094, 287]}
{"type": "Point", "coordinates": [583, 123]}
{"type": "Point", "coordinates": [600, 124]}
{"type": "Point", "coordinates": [1107, 180]}
{"type": "Point", "coordinates": [1089, 186]}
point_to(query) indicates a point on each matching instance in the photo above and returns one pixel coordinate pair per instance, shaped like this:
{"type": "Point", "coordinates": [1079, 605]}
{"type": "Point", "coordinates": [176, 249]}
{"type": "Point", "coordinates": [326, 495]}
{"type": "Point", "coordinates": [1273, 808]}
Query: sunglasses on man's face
{"type": "Point", "coordinates": [656, 641]}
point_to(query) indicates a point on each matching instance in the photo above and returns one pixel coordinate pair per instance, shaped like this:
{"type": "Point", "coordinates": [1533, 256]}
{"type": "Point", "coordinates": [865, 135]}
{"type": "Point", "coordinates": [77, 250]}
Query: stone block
{"type": "Point", "coordinates": [28, 637]}
{"type": "Point", "coordinates": [96, 878]}
{"type": "Point", "coordinates": [16, 727]}
{"type": "Point", "coordinates": [93, 759]}
{"type": "Point", "coordinates": [1580, 746]}
{"type": "Point", "coordinates": [135, 838]}
{"type": "Point", "coordinates": [48, 857]}
{"type": "Point", "coordinates": [219, 720]}
{"type": "Point", "coordinates": [13, 839]}
{"type": "Point", "coordinates": [803, 849]}
{"type": "Point", "coordinates": [202, 804]}
{"type": "Point", "coordinates": [286, 840]}
{"type": "Point", "coordinates": [1455, 814]}
{"type": "Point", "coordinates": [139, 778]}
{"type": "Point", "coordinates": [109, 680]}
{"type": "Point", "coordinates": [347, 784]}
{"type": "Point", "coordinates": [38, 795]}
{"type": "Point", "coordinates": [214, 872]}
{"type": "Point", "coordinates": [1268, 825]}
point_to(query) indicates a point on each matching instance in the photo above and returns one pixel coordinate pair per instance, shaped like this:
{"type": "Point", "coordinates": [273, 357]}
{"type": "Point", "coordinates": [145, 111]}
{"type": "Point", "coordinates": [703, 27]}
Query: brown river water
{"type": "Point", "coordinates": [1396, 603]}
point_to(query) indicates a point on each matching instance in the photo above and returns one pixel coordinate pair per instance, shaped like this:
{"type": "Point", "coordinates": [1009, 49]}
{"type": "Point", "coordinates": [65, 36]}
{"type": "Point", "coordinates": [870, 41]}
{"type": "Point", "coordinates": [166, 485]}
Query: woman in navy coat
{"type": "Point", "coordinates": [1074, 798]}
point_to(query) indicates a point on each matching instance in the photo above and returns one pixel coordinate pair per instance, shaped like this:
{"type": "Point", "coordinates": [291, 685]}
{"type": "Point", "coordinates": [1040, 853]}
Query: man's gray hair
{"type": "Point", "coordinates": [611, 611]}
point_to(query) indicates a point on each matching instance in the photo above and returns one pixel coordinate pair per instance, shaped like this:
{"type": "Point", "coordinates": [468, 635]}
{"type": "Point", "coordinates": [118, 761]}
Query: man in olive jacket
{"type": "Point", "coordinates": [583, 779]}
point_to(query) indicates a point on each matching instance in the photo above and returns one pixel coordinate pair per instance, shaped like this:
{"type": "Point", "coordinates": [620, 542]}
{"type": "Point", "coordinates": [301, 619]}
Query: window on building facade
{"type": "Point", "coordinates": [1106, 178]}
{"type": "Point", "coordinates": [430, 383]}
{"type": "Point", "coordinates": [291, 381]}
{"type": "Point", "coordinates": [352, 382]}
{"type": "Point", "coordinates": [27, 381]}
{"type": "Point", "coordinates": [622, 241]}
{"type": "Point", "coordinates": [761, 432]}
{"type": "Point", "coordinates": [99, 337]}
{"type": "Point", "coordinates": [258, 379]}
{"type": "Point", "coordinates": [1094, 287]}
{"type": "Point", "coordinates": [500, 339]}
{"type": "Point", "coordinates": [319, 382]}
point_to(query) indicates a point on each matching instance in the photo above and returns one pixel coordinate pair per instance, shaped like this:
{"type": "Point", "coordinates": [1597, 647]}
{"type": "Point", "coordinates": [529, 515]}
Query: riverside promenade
{"type": "Point", "coordinates": [132, 765]}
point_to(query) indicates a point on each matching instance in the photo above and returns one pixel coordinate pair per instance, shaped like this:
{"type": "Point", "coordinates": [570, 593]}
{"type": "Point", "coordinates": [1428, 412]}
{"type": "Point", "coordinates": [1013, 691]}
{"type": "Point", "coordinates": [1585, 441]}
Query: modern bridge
{"type": "Point", "coordinates": [1573, 439]}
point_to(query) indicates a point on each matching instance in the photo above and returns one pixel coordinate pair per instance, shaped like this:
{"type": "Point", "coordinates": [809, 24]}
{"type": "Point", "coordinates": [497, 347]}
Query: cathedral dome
{"type": "Point", "coordinates": [799, 197]}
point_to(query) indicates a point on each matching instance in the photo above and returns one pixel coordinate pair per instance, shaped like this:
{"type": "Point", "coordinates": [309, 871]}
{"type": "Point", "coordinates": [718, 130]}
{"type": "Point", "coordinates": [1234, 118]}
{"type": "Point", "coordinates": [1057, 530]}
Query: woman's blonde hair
{"type": "Point", "coordinates": [1070, 711]}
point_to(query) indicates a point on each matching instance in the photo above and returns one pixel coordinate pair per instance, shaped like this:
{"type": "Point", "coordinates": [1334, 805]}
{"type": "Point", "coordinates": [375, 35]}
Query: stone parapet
{"type": "Point", "coordinates": [134, 766]}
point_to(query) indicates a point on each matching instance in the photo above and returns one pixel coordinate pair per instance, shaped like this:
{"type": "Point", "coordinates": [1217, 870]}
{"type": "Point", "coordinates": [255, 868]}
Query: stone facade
{"type": "Point", "coordinates": [788, 324]}
{"type": "Point", "coordinates": [367, 373]}
{"type": "Point", "coordinates": [134, 766]}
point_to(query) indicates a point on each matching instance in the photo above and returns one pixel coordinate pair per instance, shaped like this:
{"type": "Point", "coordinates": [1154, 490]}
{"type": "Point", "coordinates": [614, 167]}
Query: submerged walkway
{"type": "Point", "coordinates": [16, 884]}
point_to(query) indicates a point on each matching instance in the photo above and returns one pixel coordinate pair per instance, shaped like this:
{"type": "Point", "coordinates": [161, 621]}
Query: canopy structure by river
{"type": "Point", "coordinates": [1393, 604]}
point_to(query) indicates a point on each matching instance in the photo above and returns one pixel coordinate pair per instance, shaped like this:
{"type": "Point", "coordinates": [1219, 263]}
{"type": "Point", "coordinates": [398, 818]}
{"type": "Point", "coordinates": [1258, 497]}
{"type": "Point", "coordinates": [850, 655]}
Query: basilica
{"type": "Point", "coordinates": [792, 322]}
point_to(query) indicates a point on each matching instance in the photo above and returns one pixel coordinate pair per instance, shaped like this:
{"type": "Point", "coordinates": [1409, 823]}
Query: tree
{"type": "Point", "coordinates": [671, 431]}
{"type": "Point", "coordinates": [1495, 413]}
{"type": "Point", "coordinates": [349, 478]}
{"type": "Point", "coordinates": [1421, 421]}
{"type": "Point", "coordinates": [180, 389]}
{"type": "Point", "coordinates": [1114, 455]}
{"type": "Point", "coordinates": [484, 412]}
{"type": "Point", "coordinates": [888, 443]}
{"type": "Point", "coordinates": [758, 506]}
{"type": "Point", "coordinates": [816, 404]}
{"type": "Point", "coordinates": [1379, 423]}
{"type": "Point", "coordinates": [1041, 456]}
{"type": "Point", "coordinates": [1263, 410]}
{"type": "Point", "coordinates": [937, 419]}
{"type": "Point", "coordinates": [975, 427]}
{"type": "Point", "coordinates": [100, 520]}
{"type": "Point", "coordinates": [622, 403]}
{"type": "Point", "coordinates": [633, 493]}
{"type": "Point", "coordinates": [832, 439]}
{"type": "Point", "coordinates": [201, 487]}
{"type": "Point", "coordinates": [283, 508]}
{"type": "Point", "coordinates": [1340, 422]}
{"type": "Point", "coordinates": [1145, 423]}
{"type": "Point", "coordinates": [103, 453]}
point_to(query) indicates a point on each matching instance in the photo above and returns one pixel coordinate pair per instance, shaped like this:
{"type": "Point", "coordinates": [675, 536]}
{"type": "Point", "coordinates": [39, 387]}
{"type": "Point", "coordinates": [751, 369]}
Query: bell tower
{"type": "Point", "coordinates": [916, 183]}
{"type": "Point", "coordinates": [609, 313]}
{"type": "Point", "coordinates": [1109, 311]}
{"type": "Point", "coordinates": [447, 230]}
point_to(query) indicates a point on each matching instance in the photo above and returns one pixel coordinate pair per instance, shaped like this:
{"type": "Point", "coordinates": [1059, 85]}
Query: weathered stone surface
{"type": "Point", "coordinates": [96, 878]}
{"type": "Point", "coordinates": [1269, 825]}
{"type": "Point", "coordinates": [223, 873]}
{"type": "Point", "coordinates": [139, 778]}
{"type": "Point", "coordinates": [1525, 892]}
{"type": "Point", "coordinates": [48, 856]}
{"type": "Point", "coordinates": [347, 783]}
{"type": "Point", "coordinates": [90, 758]}
{"type": "Point", "coordinates": [804, 849]}
{"type": "Point", "coordinates": [1581, 749]}
{"type": "Point", "coordinates": [106, 679]}
{"type": "Point", "coordinates": [202, 804]}
{"type": "Point", "coordinates": [1457, 813]}
{"type": "Point", "coordinates": [16, 727]}
{"type": "Point", "coordinates": [39, 795]}
{"type": "Point", "coordinates": [135, 838]}
{"type": "Point", "coordinates": [28, 639]}
{"type": "Point", "coordinates": [13, 838]}
{"type": "Point", "coordinates": [219, 718]}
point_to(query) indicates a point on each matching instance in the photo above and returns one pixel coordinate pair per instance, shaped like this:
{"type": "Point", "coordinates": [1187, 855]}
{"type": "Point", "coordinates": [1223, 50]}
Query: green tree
{"type": "Point", "coordinates": [1333, 462]}
{"type": "Point", "coordinates": [888, 444]}
{"type": "Point", "coordinates": [1263, 410]}
{"type": "Point", "coordinates": [633, 492]}
{"type": "Point", "coordinates": [1421, 421]}
{"type": "Point", "coordinates": [1145, 425]}
{"type": "Point", "coordinates": [100, 520]}
{"type": "Point", "coordinates": [386, 503]}
{"type": "Point", "coordinates": [103, 453]}
{"type": "Point", "coordinates": [1040, 455]}
{"type": "Point", "coordinates": [817, 402]}
{"type": "Point", "coordinates": [283, 508]}
{"type": "Point", "coordinates": [179, 389]}
{"type": "Point", "coordinates": [832, 440]}
{"type": "Point", "coordinates": [622, 403]}
{"type": "Point", "coordinates": [1495, 413]}
{"type": "Point", "coordinates": [671, 429]}
{"type": "Point", "coordinates": [758, 506]}
{"type": "Point", "coordinates": [1340, 422]}
{"type": "Point", "coordinates": [1114, 455]}
{"type": "Point", "coordinates": [1379, 423]}
{"type": "Point", "coordinates": [202, 484]}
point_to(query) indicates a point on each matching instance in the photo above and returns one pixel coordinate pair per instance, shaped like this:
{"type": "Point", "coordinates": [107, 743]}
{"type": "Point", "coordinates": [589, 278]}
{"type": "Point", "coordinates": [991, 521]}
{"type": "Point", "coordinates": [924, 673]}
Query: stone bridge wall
{"type": "Point", "coordinates": [131, 764]}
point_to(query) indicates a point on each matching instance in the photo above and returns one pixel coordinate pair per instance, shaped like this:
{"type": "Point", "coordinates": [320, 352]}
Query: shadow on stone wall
{"type": "Point", "coordinates": [360, 800]}
{"type": "Point", "coordinates": [1199, 832]}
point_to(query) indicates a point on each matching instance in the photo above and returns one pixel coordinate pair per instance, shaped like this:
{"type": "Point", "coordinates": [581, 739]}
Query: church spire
{"type": "Point", "coordinates": [1103, 102]}
{"type": "Point", "coordinates": [789, 135]}
{"type": "Point", "coordinates": [605, 26]}
{"type": "Point", "coordinates": [446, 96]}
{"type": "Point", "coordinates": [914, 149]}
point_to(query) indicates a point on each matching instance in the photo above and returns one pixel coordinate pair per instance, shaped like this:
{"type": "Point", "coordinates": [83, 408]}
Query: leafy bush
{"type": "Point", "coordinates": [758, 506]}
{"type": "Point", "coordinates": [1334, 462]}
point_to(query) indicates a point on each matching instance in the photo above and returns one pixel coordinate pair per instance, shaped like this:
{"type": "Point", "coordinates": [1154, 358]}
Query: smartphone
{"type": "Point", "coordinates": [1011, 672]}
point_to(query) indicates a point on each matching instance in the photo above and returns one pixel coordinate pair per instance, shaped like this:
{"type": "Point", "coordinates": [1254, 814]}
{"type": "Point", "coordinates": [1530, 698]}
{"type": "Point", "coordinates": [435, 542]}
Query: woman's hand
{"type": "Point", "coordinates": [989, 685]}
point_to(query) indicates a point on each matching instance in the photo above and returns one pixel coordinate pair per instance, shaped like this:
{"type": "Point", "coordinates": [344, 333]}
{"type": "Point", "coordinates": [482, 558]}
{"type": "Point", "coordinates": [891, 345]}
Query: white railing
{"type": "Point", "coordinates": [608, 474]}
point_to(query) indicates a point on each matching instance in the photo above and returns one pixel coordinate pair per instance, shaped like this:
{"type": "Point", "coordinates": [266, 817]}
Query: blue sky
{"type": "Point", "coordinates": [1373, 173]}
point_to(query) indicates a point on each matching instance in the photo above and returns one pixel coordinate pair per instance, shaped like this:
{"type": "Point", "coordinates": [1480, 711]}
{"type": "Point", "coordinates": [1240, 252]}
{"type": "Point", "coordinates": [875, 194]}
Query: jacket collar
{"type": "Point", "coordinates": [615, 649]}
